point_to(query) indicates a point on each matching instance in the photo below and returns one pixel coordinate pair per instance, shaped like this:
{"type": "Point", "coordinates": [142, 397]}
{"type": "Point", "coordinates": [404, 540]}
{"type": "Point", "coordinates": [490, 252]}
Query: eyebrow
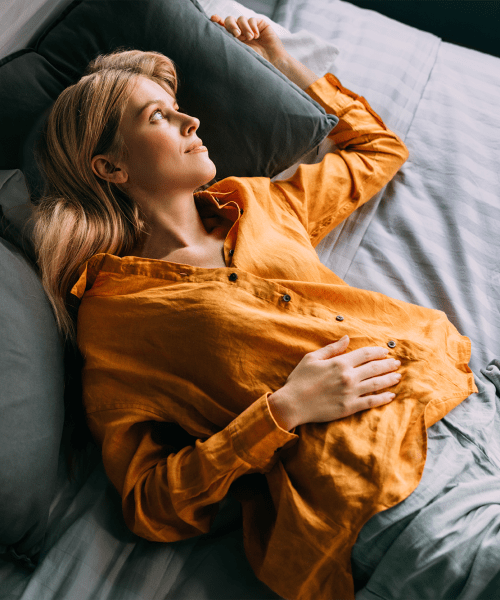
{"type": "Point", "coordinates": [149, 103]}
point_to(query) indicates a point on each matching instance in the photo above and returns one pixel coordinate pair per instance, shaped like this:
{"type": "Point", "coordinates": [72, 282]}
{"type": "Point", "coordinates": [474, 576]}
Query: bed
{"type": "Point", "coordinates": [430, 238]}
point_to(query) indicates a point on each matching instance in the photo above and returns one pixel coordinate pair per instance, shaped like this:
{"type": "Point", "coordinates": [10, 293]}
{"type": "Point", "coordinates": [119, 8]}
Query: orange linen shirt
{"type": "Point", "coordinates": [180, 361]}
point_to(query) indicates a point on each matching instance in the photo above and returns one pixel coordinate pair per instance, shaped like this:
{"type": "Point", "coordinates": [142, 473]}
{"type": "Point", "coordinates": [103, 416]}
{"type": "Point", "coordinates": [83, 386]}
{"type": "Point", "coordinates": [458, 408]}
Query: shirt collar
{"type": "Point", "coordinates": [212, 203]}
{"type": "Point", "coordinates": [207, 202]}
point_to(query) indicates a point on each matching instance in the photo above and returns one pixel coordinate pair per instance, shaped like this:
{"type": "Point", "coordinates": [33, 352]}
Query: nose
{"type": "Point", "coordinates": [190, 124]}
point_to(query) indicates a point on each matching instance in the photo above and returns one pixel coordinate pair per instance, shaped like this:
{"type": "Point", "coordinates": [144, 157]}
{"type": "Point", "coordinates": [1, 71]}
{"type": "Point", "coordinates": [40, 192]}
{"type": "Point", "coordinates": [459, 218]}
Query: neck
{"type": "Point", "coordinates": [173, 224]}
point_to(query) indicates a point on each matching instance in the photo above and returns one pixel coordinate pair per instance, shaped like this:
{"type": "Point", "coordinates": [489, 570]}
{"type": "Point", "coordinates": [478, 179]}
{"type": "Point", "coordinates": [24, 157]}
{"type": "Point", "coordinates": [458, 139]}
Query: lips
{"type": "Point", "coordinates": [194, 145]}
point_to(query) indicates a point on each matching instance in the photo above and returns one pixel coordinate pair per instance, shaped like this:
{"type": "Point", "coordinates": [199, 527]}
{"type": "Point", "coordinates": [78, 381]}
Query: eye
{"type": "Point", "coordinates": [156, 112]}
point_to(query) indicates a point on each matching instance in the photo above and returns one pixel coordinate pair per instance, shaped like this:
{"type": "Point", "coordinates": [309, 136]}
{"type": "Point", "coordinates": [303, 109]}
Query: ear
{"type": "Point", "coordinates": [104, 169]}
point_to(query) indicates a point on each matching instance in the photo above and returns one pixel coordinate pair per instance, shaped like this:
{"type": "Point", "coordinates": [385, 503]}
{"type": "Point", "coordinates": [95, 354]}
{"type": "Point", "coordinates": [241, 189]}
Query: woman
{"type": "Point", "coordinates": [216, 345]}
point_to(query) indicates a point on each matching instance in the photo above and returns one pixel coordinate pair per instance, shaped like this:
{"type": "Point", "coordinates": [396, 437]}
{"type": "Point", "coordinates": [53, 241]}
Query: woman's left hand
{"type": "Point", "coordinates": [255, 33]}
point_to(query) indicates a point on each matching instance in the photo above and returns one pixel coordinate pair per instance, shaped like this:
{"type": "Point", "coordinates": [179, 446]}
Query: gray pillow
{"type": "Point", "coordinates": [31, 406]}
{"type": "Point", "coordinates": [254, 121]}
{"type": "Point", "coordinates": [16, 224]}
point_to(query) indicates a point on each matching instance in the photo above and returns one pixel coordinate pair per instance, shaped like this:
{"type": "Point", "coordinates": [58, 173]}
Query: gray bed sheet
{"type": "Point", "coordinates": [431, 238]}
{"type": "Point", "coordinates": [90, 554]}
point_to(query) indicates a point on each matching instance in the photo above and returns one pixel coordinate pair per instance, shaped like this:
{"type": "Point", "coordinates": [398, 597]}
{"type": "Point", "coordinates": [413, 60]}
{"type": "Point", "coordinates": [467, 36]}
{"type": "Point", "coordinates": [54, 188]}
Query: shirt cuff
{"type": "Point", "coordinates": [329, 92]}
{"type": "Point", "coordinates": [256, 435]}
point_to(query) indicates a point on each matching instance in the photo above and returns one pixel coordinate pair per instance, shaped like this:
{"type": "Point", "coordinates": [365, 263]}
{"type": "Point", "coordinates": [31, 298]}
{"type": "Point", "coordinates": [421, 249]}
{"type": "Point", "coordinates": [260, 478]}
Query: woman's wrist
{"type": "Point", "coordinates": [298, 73]}
{"type": "Point", "coordinates": [281, 412]}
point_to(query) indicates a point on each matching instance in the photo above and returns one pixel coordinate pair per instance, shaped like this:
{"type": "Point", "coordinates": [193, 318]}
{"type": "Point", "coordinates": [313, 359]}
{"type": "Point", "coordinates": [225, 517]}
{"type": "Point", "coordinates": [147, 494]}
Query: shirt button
{"type": "Point", "coordinates": [339, 318]}
{"type": "Point", "coordinates": [286, 298]}
{"type": "Point", "coordinates": [233, 277]}
{"type": "Point", "coordinates": [391, 344]}
{"type": "Point", "coordinates": [231, 252]}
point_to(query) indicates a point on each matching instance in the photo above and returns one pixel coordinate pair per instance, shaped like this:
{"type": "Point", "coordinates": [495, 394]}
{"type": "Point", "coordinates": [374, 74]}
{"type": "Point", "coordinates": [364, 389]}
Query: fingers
{"type": "Point", "coordinates": [366, 402]}
{"type": "Point", "coordinates": [363, 355]}
{"type": "Point", "coordinates": [375, 384]}
{"type": "Point", "coordinates": [369, 372]}
{"type": "Point", "coordinates": [332, 350]}
{"type": "Point", "coordinates": [247, 27]}
{"type": "Point", "coordinates": [358, 357]}
{"type": "Point", "coordinates": [242, 28]}
{"type": "Point", "coordinates": [377, 375]}
{"type": "Point", "coordinates": [254, 27]}
{"type": "Point", "coordinates": [376, 367]}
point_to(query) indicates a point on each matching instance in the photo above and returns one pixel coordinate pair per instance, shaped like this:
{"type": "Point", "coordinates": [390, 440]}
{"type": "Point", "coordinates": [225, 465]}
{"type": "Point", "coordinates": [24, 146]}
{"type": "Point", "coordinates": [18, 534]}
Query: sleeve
{"type": "Point", "coordinates": [170, 490]}
{"type": "Point", "coordinates": [366, 158]}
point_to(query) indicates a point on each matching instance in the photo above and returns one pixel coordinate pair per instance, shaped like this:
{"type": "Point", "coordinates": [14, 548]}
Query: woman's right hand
{"type": "Point", "coordinates": [256, 33]}
{"type": "Point", "coordinates": [328, 385]}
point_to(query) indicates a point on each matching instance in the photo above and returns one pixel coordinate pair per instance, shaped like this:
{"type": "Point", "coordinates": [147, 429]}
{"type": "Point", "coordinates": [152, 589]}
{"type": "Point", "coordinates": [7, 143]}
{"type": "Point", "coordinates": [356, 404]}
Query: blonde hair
{"type": "Point", "coordinates": [80, 214]}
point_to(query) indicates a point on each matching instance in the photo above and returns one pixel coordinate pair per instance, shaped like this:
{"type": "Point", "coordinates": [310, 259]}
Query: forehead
{"type": "Point", "coordinates": [144, 89]}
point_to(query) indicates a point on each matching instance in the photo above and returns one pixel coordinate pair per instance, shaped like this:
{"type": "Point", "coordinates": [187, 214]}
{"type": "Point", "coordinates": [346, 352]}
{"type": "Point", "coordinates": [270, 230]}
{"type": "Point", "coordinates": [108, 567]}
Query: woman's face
{"type": "Point", "coordinates": [159, 139]}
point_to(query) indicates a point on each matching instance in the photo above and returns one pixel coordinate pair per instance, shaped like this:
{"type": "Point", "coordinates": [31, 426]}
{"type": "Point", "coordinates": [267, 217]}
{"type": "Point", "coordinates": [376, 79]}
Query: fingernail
{"type": "Point", "coordinates": [342, 339]}
{"type": "Point", "coordinates": [397, 375]}
{"type": "Point", "coordinates": [391, 396]}
{"type": "Point", "coordinates": [237, 32]}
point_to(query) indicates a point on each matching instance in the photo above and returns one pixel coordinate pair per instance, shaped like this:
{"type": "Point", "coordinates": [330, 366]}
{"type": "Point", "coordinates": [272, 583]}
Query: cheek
{"type": "Point", "coordinates": [153, 147]}
{"type": "Point", "coordinates": [148, 156]}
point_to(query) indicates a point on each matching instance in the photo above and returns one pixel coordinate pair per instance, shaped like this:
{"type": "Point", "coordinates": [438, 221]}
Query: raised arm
{"type": "Point", "coordinates": [366, 158]}
{"type": "Point", "coordinates": [367, 153]}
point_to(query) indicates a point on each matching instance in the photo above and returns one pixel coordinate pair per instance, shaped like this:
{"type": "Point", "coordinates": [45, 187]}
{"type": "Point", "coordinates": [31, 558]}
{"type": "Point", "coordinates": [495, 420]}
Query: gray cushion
{"type": "Point", "coordinates": [254, 121]}
{"type": "Point", "coordinates": [31, 406]}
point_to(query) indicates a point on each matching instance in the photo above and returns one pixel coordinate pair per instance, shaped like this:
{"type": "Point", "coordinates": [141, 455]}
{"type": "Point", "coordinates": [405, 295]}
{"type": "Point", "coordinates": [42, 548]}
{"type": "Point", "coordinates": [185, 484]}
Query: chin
{"type": "Point", "coordinates": [209, 181]}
